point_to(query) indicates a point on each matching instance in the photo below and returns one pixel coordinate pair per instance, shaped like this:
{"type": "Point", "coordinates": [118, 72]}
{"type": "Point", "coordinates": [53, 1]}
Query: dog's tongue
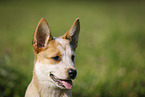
{"type": "Point", "coordinates": [67, 84]}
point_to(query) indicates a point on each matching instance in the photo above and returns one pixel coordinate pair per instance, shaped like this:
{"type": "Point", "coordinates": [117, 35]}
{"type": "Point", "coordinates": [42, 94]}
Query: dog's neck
{"type": "Point", "coordinates": [48, 91]}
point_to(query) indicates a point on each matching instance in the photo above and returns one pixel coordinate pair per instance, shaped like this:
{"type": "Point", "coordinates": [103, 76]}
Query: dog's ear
{"type": "Point", "coordinates": [42, 36]}
{"type": "Point", "coordinates": [73, 34]}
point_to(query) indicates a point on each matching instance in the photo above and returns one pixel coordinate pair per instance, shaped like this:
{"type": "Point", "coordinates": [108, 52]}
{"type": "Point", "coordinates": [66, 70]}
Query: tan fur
{"type": "Point", "coordinates": [45, 48]}
{"type": "Point", "coordinates": [51, 51]}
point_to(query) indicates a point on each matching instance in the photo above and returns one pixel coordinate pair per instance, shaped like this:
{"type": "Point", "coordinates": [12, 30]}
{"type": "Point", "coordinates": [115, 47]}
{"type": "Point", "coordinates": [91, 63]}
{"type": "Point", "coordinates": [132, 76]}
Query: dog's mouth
{"type": "Point", "coordinates": [61, 83]}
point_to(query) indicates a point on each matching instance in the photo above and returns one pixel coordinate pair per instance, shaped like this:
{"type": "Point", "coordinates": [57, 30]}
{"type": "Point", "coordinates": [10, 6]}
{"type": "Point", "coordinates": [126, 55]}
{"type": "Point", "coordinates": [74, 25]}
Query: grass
{"type": "Point", "coordinates": [110, 56]}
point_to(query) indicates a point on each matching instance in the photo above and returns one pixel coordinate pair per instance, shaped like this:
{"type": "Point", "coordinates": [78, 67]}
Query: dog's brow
{"type": "Point", "coordinates": [61, 48]}
{"type": "Point", "coordinates": [52, 54]}
{"type": "Point", "coordinates": [63, 43]}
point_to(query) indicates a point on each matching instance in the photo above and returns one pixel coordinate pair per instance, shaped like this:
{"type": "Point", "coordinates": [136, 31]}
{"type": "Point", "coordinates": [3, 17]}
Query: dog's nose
{"type": "Point", "coordinates": [72, 73]}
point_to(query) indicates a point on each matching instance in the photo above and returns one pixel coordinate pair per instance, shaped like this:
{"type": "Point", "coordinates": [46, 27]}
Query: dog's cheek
{"type": "Point", "coordinates": [38, 70]}
{"type": "Point", "coordinates": [41, 69]}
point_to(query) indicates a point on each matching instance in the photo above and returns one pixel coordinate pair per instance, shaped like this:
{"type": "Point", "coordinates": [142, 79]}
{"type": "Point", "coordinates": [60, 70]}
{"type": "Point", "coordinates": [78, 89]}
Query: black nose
{"type": "Point", "coordinates": [72, 73]}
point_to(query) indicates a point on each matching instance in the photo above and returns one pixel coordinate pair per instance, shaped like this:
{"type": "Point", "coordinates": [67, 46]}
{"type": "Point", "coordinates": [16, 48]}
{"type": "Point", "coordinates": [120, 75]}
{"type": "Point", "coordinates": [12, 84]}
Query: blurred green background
{"type": "Point", "coordinates": [110, 57]}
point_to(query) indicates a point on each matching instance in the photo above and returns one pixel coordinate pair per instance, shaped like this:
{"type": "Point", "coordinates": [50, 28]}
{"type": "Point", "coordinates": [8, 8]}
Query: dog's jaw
{"type": "Point", "coordinates": [46, 79]}
{"type": "Point", "coordinates": [36, 90]}
{"type": "Point", "coordinates": [44, 85]}
{"type": "Point", "coordinates": [42, 75]}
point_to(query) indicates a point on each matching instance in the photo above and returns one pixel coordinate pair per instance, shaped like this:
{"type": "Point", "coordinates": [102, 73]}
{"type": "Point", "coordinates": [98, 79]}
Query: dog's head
{"type": "Point", "coordinates": [54, 57]}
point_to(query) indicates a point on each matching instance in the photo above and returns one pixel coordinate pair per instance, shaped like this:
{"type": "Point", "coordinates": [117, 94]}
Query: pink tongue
{"type": "Point", "coordinates": [67, 84]}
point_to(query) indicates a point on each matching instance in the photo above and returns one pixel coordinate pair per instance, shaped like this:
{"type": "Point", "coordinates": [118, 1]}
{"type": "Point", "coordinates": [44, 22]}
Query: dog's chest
{"type": "Point", "coordinates": [51, 92]}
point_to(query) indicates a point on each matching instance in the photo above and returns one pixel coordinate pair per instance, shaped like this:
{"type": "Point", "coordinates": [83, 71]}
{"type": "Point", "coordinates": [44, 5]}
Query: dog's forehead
{"type": "Point", "coordinates": [64, 44]}
{"type": "Point", "coordinates": [61, 40]}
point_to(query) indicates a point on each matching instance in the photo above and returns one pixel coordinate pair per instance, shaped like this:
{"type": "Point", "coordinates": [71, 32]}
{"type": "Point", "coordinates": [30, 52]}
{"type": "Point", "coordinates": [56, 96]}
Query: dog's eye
{"type": "Point", "coordinates": [73, 58]}
{"type": "Point", "coordinates": [56, 58]}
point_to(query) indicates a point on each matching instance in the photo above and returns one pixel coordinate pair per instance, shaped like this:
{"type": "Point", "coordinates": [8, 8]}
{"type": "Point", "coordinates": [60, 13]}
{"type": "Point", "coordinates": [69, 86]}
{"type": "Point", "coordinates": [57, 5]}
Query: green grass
{"type": "Point", "coordinates": [110, 58]}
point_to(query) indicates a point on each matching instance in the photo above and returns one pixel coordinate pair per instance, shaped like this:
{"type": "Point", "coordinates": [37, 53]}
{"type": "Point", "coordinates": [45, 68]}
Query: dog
{"type": "Point", "coordinates": [54, 67]}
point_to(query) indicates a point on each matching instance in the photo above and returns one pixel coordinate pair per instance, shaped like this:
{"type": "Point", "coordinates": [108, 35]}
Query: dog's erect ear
{"type": "Point", "coordinates": [73, 34]}
{"type": "Point", "coordinates": [42, 36]}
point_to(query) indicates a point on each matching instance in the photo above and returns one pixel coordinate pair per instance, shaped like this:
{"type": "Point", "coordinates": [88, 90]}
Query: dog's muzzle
{"type": "Point", "coordinates": [65, 83]}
